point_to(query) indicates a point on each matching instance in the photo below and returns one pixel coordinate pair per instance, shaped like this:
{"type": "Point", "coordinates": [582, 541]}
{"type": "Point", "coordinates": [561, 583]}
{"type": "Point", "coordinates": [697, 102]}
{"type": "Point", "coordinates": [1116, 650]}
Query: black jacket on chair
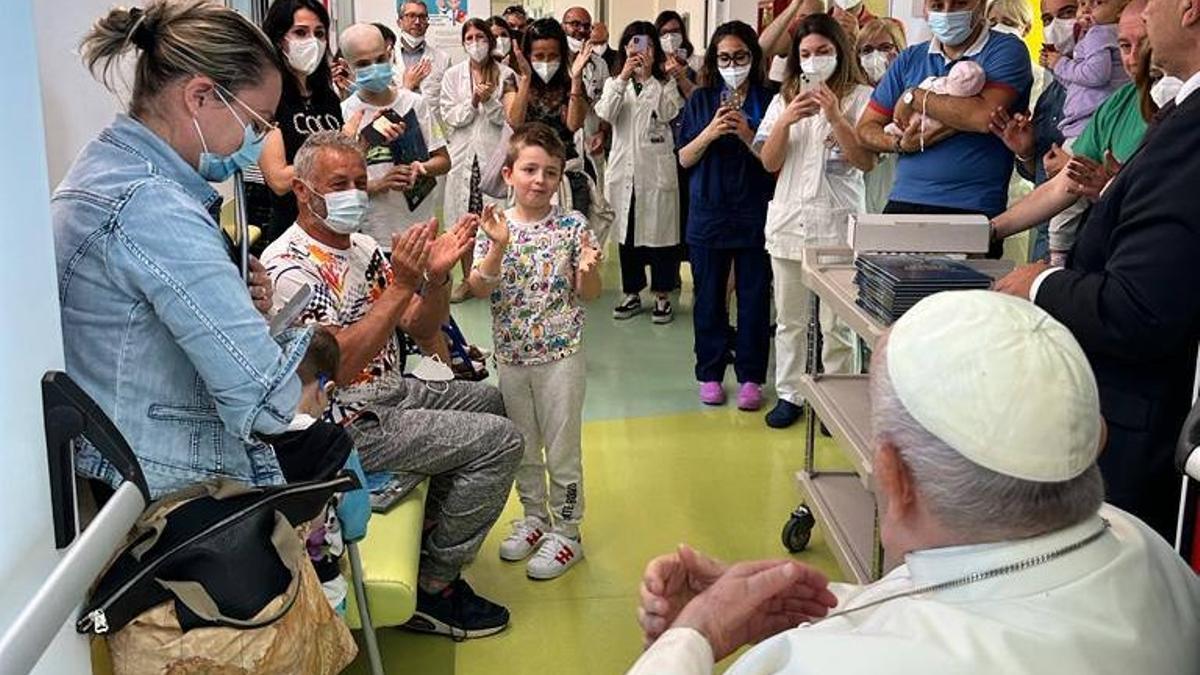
{"type": "Point", "coordinates": [1131, 296]}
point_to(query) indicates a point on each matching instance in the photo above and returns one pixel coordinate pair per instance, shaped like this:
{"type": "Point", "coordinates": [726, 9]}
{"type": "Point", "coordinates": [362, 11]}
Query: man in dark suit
{"type": "Point", "coordinates": [1131, 289]}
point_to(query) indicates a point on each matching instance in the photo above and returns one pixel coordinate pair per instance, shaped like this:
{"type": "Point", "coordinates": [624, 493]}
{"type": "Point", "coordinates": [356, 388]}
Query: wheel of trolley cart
{"type": "Point", "coordinates": [798, 529]}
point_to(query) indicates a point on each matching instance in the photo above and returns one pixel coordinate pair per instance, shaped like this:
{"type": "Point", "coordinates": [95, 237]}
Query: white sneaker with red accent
{"type": "Point", "coordinates": [526, 535]}
{"type": "Point", "coordinates": [557, 554]}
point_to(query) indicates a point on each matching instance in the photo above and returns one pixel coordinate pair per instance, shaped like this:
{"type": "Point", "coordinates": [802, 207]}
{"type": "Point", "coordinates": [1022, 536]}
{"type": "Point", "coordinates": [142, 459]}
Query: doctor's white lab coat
{"type": "Point", "coordinates": [472, 132]}
{"type": "Point", "coordinates": [642, 160]}
{"type": "Point", "coordinates": [431, 86]}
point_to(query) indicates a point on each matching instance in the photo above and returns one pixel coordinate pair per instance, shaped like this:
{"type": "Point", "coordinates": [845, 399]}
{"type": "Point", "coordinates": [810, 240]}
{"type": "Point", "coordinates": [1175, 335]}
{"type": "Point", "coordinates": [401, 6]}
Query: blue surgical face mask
{"type": "Point", "coordinates": [952, 28]}
{"type": "Point", "coordinates": [345, 210]}
{"type": "Point", "coordinates": [376, 77]}
{"type": "Point", "coordinates": [218, 168]}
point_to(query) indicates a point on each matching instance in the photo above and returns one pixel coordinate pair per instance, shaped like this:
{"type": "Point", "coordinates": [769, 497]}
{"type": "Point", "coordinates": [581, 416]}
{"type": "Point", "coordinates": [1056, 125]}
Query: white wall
{"type": "Point", "coordinates": [31, 343]}
{"type": "Point", "coordinates": [76, 107]}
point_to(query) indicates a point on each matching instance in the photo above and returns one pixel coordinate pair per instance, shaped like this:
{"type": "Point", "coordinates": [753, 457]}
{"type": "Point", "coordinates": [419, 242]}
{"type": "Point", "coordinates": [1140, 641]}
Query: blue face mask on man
{"type": "Point", "coordinates": [218, 168]}
{"type": "Point", "coordinates": [376, 77]}
{"type": "Point", "coordinates": [952, 28]}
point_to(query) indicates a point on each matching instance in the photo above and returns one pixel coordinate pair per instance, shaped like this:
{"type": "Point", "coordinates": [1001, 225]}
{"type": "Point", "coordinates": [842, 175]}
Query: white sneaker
{"type": "Point", "coordinates": [557, 554]}
{"type": "Point", "coordinates": [526, 535]}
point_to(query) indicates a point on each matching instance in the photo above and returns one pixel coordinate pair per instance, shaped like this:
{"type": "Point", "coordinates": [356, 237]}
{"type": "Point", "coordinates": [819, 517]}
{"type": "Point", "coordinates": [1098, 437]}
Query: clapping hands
{"type": "Point", "coordinates": [495, 225]}
{"type": "Point", "coordinates": [451, 246]}
{"type": "Point", "coordinates": [1089, 178]}
{"type": "Point", "coordinates": [416, 75]}
{"type": "Point", "coordinates": [1015, 130]}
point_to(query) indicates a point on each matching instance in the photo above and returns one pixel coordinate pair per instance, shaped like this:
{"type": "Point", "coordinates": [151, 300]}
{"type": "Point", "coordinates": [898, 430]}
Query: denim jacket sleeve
{"type": "Point", "coordinates": [168, 251]}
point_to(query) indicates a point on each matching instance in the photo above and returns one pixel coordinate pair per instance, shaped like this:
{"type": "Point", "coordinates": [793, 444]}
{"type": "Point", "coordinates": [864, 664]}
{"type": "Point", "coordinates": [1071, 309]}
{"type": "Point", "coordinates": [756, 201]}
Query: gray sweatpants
{"type": "Point", "coordinates": [455, 434]}
{"type": "Point", "coordinates": [546, 402]}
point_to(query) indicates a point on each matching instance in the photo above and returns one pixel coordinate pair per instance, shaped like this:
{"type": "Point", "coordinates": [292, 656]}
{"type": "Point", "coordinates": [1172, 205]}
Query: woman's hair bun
{"type": "Point", "coordinates": [141, 32]}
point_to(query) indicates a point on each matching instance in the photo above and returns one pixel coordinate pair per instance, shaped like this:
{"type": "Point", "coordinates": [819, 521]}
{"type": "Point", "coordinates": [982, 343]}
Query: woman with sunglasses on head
{"type": "Point", "coordinates": [299, 29]}
{"type": "Point", "coordinates": [808, 137]}
{"type": "Point", "coordinates": [641, 182]}
{"type": "Point", "coordinates": [879, 43]}
{"type": "Point", "coordinates": [729, 191]}
{"type": "Point", "coordinates": [159, 327]}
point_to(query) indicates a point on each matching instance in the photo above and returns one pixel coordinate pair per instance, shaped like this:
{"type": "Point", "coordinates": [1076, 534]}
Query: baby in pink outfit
{"type": "Point", "coordinates": [966, 78]}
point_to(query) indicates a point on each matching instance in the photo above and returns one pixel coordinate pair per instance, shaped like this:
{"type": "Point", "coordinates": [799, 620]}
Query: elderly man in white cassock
{"type": "Point", "coordinates": [987, 420]}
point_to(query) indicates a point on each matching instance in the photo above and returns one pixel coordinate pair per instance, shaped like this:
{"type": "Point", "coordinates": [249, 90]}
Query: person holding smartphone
{"type": "Point", "coordinates": [390, 105]}
{"type": "Point", "coordinates": [808, 136]}
{"type": "Point", "coordinates": [641, 182]}
{"type": "Point", "coordinates": [729, 191]}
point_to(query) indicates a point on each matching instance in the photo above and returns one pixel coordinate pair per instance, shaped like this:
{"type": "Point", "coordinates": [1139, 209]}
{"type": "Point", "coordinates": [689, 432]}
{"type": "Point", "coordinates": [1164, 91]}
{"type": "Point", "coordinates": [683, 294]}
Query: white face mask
{"type": "Point", "coordinates": [1061, 34]}
{"type": "Point", "coordinates": [671, 42]}
{"type": "Point", "coordinates": [304, 54]}
{"type": "Point", "coordinates": [431, 369]}
{"type": "Point", "coordinates": [1011, 30]}
{"type": "Point", "coordinates": [503, 46]}
{"type": "Point", "coordinates": [734, 76]}
{"type": "Point", "coordinates": [412, 41]}
{"type": "Point", "coordinates": [875, 64]}
{"type": "Point", "coordinates": [545, 69]}
{"type": "Point", "coordinates": [819, 68]}
{"type": "Point", "coordinates": [574, 44]}
{"type": "Point", "coordinates": [478, 51]}
{"type": "Point", "coordinates": [345, 210]}
{"type": "Point", "coordinates": [847, 5]}
{"type": "Point", "coordinates": [1165, 90]}
{"type": "Point", "coordinates": [600, 48]}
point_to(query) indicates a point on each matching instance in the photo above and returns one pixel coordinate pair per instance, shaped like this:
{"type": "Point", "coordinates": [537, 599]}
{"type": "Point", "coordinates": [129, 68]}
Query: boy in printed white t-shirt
{"type": "Point", "coordinates": [370, 61]}
{"type": "Point", "coordinates": [538, 264]}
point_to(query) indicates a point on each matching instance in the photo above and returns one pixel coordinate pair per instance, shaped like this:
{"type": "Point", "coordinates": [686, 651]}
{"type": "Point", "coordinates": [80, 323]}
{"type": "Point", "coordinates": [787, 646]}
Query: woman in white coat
{"type": "Point", "coordinates": [474, 102]}
{"type": "Point", "coordinates": [642, 184]}
{"type": "Point", "coordinates": [808, 136]}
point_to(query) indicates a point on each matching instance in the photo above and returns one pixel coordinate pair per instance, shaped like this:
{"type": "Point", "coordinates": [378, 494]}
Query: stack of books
{"type": "Point", "coordinates": [889, 285]}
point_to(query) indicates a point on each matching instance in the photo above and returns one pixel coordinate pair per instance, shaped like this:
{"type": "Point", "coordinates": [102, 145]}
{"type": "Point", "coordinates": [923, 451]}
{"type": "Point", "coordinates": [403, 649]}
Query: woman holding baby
{"type": "Point", "coordinates": [807, 135]}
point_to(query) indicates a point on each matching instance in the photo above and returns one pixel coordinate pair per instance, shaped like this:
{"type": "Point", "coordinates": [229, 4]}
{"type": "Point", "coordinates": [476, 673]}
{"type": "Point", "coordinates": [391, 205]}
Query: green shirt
{"type": "Point", "coordinates": [1117, 125]}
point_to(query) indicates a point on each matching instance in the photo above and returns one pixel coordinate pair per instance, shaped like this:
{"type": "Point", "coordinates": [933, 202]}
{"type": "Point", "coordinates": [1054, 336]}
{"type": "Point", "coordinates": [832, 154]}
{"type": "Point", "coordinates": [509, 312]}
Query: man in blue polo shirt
{"type": "Point", "coordinates": [963, 167]}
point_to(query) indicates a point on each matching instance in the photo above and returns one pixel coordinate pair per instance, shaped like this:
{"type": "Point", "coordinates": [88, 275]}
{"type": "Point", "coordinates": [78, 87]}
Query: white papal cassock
{"type": "Point", "coordinates": [1125, 603]}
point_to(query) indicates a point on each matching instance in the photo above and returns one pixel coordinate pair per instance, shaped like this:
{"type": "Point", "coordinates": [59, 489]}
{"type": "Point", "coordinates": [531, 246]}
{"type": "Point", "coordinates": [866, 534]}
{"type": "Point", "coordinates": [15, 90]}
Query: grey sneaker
{"type": "Point", "coordinates": [630, 307]}
{"type": "Point", "coordinates": [663, 312]}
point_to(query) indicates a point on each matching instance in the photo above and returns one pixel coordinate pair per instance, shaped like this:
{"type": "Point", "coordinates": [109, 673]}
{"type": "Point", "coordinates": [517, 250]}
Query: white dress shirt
{"type": "Point", "coordinates": [1125, 603]}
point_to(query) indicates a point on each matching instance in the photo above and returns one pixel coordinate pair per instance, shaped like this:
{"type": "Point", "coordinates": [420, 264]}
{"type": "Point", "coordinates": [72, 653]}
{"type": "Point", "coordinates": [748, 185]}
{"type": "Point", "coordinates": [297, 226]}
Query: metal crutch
{"type": "Point", "coordinates": [243, 227]}
{"type": "Point", "coordinates": [364, 613]}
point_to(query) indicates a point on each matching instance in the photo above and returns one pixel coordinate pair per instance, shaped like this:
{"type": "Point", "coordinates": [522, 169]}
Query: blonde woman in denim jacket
{"type": "Point", "coordinates": [158, 324]}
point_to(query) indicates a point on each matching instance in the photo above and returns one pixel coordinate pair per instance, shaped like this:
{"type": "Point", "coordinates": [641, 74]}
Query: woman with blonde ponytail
{"type": "Point", "coordinates": [159, 326]}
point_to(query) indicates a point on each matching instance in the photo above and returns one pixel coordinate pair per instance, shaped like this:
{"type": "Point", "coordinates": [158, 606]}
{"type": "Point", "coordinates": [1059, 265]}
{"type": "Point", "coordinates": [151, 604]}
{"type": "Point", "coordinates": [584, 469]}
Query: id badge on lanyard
{"type": "Point", "coordinates": [836, 163]}
{"type": "Point", "coordinates": [658, 131]}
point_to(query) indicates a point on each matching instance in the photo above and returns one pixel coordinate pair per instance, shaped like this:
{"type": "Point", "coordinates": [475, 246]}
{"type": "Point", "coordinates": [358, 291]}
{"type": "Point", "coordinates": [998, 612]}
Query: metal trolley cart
{"type": "Point", "coordinates": [844, 500]}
